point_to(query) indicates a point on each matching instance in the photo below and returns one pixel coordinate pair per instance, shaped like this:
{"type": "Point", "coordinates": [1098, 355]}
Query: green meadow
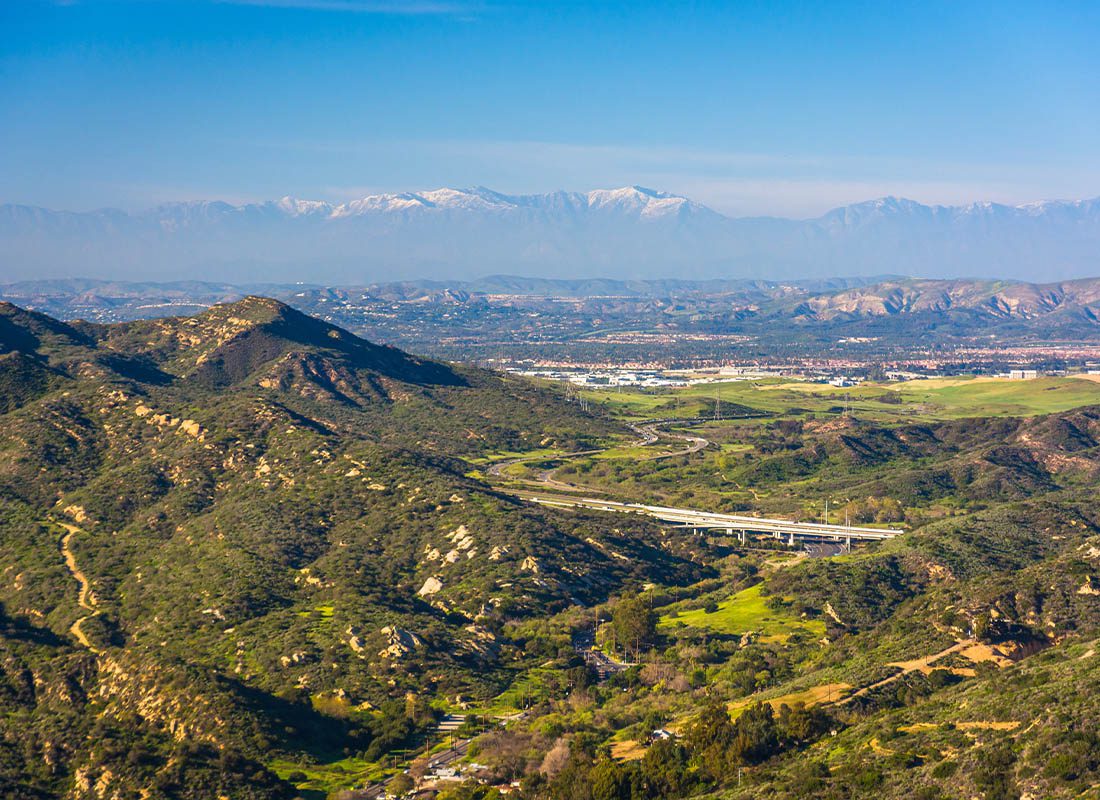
{"type": "Point", "coordinates": [933, 399]}
{"type": "Point", "coordinates": [745, 612]}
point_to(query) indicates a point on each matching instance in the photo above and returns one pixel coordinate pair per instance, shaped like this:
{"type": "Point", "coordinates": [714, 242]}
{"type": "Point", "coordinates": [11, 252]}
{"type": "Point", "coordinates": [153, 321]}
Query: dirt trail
{"type": "Point", "coordinates": [86, 597]}
{"type": "Point", "coordinates": [923, 664]}
{"type": "Point", "coordinates": [815, 695]}
{"type": "Point", "coordinates": [755, 496]}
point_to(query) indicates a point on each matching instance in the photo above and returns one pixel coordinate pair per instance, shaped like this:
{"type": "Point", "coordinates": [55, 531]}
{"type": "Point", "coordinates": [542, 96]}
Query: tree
{"type": "Point", "coordinates": [556, 758]}
{"type": "Point", "coordinates": [609, 781]}
{"type": "Point", "coordinates": [400, 784]}
{"type": "Point", "coordinates": [634, 624]}
{"type": "Point", "coordinates": [709, 738]}
{"type": "Point", "coordinates": [665, 770]}
{"type": "Point", "coordinates": [756, 734]}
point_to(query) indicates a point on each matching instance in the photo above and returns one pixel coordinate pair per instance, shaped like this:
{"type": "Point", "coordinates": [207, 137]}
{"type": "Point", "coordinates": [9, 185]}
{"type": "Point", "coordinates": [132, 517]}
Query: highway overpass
{"type": "Point", "coordinates": [732, 524]}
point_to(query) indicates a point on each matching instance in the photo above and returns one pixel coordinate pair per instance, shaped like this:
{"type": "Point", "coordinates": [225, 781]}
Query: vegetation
{"type": "Point", "coordinates": [247, 554]}
{"type": "Point", "coordinates": [747, 611]}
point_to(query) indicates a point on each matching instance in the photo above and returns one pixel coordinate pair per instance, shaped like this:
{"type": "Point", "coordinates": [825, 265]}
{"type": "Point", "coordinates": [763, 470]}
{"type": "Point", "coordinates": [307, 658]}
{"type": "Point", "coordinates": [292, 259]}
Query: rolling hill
{"type": "Point", "coordinates": [214, 525]}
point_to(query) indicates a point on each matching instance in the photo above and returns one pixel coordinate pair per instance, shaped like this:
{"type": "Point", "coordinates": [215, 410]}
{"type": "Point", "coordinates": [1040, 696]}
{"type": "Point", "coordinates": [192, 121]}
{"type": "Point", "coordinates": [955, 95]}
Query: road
{"type": "Point", "coordinates": [648, 434]}
{"type": "Point", "coordinates": [692, 518]}
{"type": "Point", "coordinates": [603, 665]}
{"type": "Point", "coordinates": [444, 758]}
{"type": "Point", "coordinates": [497, 470]}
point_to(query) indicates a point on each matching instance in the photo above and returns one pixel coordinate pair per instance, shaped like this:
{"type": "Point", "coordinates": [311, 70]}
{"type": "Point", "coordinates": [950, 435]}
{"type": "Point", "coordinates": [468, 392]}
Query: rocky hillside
{"type": "Point", "coordinates": [214, 525]}
{"type": "Point", "coordinates": [997, 299]}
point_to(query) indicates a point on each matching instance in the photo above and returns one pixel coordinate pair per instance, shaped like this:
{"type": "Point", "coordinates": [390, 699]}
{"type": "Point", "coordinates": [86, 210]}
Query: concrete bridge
{"type": "Point", "coordinates": [731, 524]}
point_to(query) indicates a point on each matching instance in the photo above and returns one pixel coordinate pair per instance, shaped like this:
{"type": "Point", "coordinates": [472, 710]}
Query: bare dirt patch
{"type": "Point", "coordinates": [988, 725]}
{"type": "Point", "coordinates": [979, 652]}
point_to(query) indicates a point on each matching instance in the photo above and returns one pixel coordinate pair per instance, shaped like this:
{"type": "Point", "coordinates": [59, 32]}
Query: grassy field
{"type": "Point", "coordinates": [504, 455]}
{"type": "Point", "coordinates": [933, 399]}
{"type": "Point", "coordinates": [323, 779]}
{"type": "Point", "coordinates": [1000, 397]}
{"type": "Point", "coordinates": [826, 693]}
{"type": "Point", "coordinates": [745, 612]}
{"type": "Point", "coordinates": [529, 687]}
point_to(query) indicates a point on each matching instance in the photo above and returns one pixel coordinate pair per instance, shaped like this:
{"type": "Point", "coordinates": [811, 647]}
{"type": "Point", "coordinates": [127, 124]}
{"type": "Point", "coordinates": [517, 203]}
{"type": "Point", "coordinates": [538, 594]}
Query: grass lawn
{"type": "Point", "coordinates": [503, 455]}
{"type": "Point", "coordinates": [746, 611]}
{"type": "Point", "coordinates": [633, 403]}
{"type": "Point", "coordinates": [530, 686]}
{"type": "Point", "coordinates": [641, 453]}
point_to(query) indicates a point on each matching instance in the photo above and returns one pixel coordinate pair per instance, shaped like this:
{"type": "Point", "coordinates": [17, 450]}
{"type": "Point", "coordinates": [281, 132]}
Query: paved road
{"type": "Point", "coordinates": [603, 664]}
{"type": "Point", "coordinates": [692, 518]}
{"type": "Point", "coordinates": [443, 758]}
{"type": "Point", "coordinates": [824, 549]}
{"type": "Point", "coordinates": [651, 436]}
{"type": "Point", "coordinates": [648, 434]}
{"type": "Point", "coordinates": [497, 470]}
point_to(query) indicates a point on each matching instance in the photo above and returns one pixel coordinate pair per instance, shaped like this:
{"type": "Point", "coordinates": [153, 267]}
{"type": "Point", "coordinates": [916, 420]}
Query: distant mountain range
{"type": "Point", "coordinates": [529, 311]}
{"type": "Point", "coordinates": [627, 233]}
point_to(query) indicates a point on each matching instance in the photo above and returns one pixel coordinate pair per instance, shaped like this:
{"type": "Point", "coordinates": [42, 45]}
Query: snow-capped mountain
{"type": "Point", "coordinates": [621, 233]}
{"type": "Point", "coordinates": [631, 200]}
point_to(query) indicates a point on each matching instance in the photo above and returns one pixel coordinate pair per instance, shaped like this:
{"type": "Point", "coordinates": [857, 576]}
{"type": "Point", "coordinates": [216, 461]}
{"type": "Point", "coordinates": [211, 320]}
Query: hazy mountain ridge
{"type": "Point", "coordinates": [808, 299]}
{"type": "Point", "coordinates": [677, 321]}
{"type": "Point", "coordinates": [993, 298]}
{"type": "Point", "coordinates": [630, 232]}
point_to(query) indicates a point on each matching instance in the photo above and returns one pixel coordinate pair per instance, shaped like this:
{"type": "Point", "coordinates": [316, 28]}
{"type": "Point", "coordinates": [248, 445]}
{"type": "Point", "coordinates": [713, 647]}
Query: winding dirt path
{"type": "Point", "coordinates": [86, 597]}
{"type": "Point", "coordinates": [923, 664]}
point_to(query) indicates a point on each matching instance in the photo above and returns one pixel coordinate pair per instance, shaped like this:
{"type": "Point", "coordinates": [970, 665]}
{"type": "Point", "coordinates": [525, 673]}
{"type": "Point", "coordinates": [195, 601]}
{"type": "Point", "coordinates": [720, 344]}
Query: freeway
{"type": "Point", "coordinates": [741, 525]}
{"type": "Point", "coordinates": [732, 523]}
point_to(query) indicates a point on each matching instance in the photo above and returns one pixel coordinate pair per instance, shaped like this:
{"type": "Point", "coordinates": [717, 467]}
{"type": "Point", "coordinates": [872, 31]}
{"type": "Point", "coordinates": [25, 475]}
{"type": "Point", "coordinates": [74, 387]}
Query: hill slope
{"type": "Point", "coordinates": [215, 519]}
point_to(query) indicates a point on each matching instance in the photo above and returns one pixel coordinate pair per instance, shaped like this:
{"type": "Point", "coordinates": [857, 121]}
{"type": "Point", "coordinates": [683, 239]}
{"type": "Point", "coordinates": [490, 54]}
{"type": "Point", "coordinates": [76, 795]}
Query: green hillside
{"type": "Point", "coordinates": [249, 555]}
{"type": "Point", "coordinates": [269, 533]}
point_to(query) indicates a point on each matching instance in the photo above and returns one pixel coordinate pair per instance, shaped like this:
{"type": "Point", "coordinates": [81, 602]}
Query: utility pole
{"type": "Point", "coordinates": [826, 510]}
{"type": "Point", "coordinates": [718, 401]}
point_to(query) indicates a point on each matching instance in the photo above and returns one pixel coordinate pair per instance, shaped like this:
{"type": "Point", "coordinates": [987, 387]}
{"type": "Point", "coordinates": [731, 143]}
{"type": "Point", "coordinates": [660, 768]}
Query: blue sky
{"type": "Point", "coordinates": [754, 108]}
